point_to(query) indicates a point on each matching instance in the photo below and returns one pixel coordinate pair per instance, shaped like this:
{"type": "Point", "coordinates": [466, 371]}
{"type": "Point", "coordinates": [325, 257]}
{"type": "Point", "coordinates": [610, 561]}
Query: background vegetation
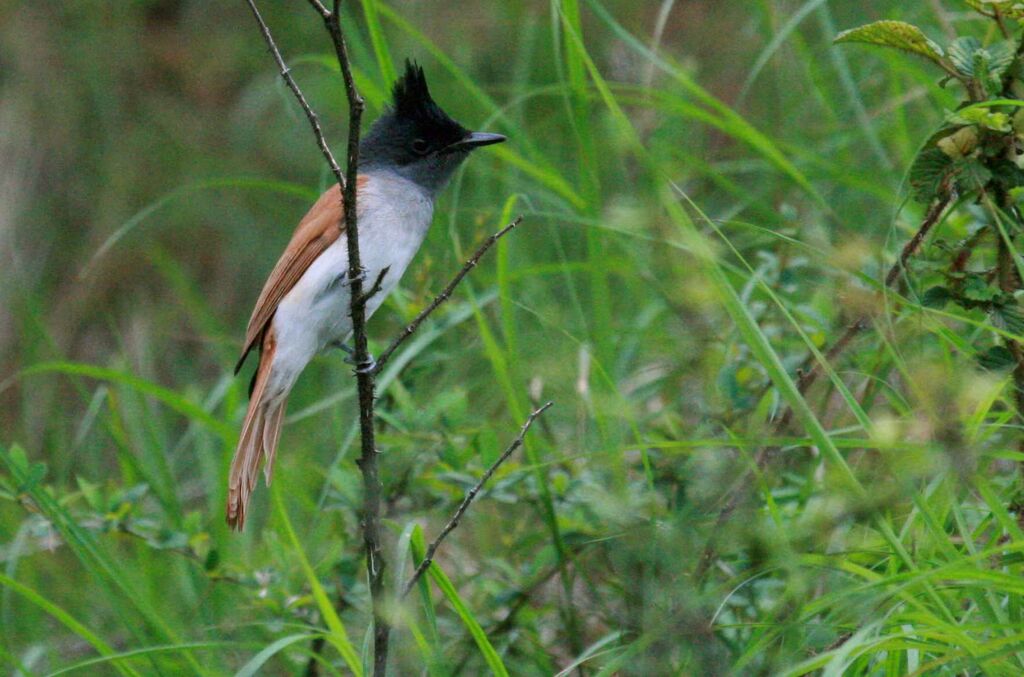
{"type": "Point", "coordinates": [710, 189]}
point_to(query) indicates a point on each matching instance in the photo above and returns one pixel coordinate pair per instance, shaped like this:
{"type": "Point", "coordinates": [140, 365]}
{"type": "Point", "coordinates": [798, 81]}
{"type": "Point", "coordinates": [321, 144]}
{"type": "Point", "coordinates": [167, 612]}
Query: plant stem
{"type": "Point", "coordinates": [1010, 282]}
{"type": "Point", "coordinates": [365, 384]}
{"type": "Point", "coordinates": [365, 376]}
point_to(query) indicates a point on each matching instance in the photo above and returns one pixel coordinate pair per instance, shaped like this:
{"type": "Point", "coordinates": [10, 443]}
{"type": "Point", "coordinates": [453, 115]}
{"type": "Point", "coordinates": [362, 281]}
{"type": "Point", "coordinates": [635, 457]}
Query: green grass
{"type": "Point", "coordinates": [700, 215]}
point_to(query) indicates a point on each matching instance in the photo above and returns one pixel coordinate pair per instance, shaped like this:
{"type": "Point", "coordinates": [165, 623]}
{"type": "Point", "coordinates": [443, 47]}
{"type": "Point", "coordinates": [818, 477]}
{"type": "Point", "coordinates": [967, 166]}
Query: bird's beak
{"type": "Point", "coordinates": [476, 140]}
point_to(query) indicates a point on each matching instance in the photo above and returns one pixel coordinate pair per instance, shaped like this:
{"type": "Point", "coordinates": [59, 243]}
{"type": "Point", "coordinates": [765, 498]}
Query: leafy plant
{"type": "Point", "coordinates": [975, 162]}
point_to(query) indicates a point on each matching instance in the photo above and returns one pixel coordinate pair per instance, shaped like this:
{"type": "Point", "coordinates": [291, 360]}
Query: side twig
{"type": "Point", "coordinates": [464, 506]}
{"type": "Point", "coordinates": [377, 285]}
{"type": "Point", "coordinates": [445, 294]}
{"type": "Point", "coordinates": [286, 73]}
{"type": "Point", "coordinates": [811, 368]}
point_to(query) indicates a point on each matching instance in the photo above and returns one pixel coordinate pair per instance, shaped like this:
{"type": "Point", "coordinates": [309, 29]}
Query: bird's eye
{"type": "Point", "coordinates": [420, 147]}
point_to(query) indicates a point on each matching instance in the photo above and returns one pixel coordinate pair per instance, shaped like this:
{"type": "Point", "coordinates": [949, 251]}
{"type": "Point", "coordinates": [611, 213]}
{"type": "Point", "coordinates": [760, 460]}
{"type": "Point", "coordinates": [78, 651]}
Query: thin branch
{"type": "Point", "coordinates": [445, 294]}
{"type": "Point", "coordinates": [365, 378]}
{"type": "Point", "coordinates": [320, 9]}
{"type": "Point", "coordinates": [377, 286]}
{"type": "Point", "coordinates": [464, 506]}
{"type": "Point", "coordinates": [286, 73]}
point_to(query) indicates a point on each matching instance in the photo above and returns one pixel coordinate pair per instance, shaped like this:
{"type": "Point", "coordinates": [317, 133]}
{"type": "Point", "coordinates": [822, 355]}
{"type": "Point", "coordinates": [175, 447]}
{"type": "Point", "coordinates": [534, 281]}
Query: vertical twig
{"type": "Point", "coordinates": [365, 377]}
{"type": "Point", "coordinates": [286, 74]}
{"type": "Point", "coordinates": [365, 385]}
{"type": "Point", "coordinates": [1009, 280]}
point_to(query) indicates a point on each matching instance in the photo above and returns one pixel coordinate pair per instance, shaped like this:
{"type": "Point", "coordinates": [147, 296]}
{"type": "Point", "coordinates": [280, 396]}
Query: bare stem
{"type": "Point", "coordinates": [320, 9]}
{"type": "Point", "coordinates": [445, 294]}
{"type": "Point", "coordinates": [365, 385]}
{"type": "Point", "coordinates": [365, 378]}
{"type": "Point", "coordinates": [453, 522]}
{"type": "Point", "coordinates": [365, 374]}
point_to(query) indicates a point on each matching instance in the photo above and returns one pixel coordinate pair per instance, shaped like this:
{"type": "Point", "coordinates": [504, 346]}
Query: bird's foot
{"type": "Point", "coordinates": [350, 352]}
{"type": "Point", "coordinates": [368, 366]}
{"type": "Point", "coordinates": [348, 279]}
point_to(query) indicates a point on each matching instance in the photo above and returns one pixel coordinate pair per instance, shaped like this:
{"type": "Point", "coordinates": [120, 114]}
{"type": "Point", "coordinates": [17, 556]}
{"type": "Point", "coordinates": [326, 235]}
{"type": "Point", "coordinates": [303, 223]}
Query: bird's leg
{"type": "Point", "coordinates": [347, 349]}
{"type": "Point", "coordinates": [342, 346]}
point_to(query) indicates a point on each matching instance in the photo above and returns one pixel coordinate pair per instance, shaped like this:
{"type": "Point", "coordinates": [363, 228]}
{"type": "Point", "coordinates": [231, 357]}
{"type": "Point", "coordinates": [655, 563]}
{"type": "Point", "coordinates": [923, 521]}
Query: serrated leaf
{"type": "Point", "coordinates": [896, 34]}
{"type": "Point", "coordinates": [996, 358]}
{"type": "Point", "coordinates": [936, 297]}
{"type": "Point", "coordinates": [961, 54]}
{"type": "Point", "coordinates": [981, 72]}
{"type": "Point", "coordinates": [959, 143]}
{"type": "Point", "coordinates": [1001, 56]}
{"type": "Point", "coordinates": [1008, 8]}
{"type": "Point", "coordinates": [977, 289]}
{"type": "Point", "coordinates": [929, 172]}
{"type": "Point", "coordinates": [1009, 317]}
{"type": "Point", "coordinates": [971, 175]}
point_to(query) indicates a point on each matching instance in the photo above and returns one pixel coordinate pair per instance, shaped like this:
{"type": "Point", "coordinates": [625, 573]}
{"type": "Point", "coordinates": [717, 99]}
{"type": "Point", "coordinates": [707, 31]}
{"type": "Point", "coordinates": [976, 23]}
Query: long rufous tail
{"type": "Point", "coordinates": [260, 433]}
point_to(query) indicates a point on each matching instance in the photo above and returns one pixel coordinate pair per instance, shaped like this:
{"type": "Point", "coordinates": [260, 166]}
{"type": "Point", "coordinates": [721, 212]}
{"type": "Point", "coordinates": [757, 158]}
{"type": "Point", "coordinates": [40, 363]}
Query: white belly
{"type": "Point", "coordinates": [394, 216]}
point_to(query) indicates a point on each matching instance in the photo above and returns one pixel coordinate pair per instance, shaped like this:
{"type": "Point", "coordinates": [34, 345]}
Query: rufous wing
{"type": "Point", "coordinates": [317, 231]}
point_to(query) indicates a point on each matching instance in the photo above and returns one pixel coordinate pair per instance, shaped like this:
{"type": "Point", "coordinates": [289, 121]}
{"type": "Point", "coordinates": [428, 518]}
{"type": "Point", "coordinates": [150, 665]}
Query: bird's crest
{"type": "Point", "coordinates": [412, 97]}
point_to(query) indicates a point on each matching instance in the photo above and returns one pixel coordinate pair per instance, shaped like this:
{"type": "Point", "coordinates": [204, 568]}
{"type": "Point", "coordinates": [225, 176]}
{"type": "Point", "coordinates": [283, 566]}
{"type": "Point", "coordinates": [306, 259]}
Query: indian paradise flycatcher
{"type": "Point", "coordinates": [406, 158]}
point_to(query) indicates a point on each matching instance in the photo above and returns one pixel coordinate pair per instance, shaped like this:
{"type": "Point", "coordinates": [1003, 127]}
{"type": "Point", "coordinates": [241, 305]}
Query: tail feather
{"type": "Point", "coordinates": [271, 434]}
{"type": "Point", "coordinates": [260, 433]}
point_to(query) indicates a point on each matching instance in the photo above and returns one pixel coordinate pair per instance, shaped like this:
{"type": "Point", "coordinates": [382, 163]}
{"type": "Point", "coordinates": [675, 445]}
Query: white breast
{"type": "Point", "coordinates": [394, 216]}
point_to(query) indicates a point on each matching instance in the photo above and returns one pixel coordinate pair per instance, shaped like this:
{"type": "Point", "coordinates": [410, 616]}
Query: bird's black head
{"type": "Point", "coordinates": [416, 139]}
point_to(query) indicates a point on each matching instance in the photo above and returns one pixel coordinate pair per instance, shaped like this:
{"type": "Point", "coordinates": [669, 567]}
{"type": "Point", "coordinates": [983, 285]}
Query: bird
{"type": "Point", "coordinates": [406, 158]}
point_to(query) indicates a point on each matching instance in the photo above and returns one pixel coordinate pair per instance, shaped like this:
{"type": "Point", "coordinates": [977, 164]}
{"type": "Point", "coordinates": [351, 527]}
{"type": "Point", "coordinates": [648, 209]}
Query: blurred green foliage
{"type": "Point", "coordinates": [711, 189]}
